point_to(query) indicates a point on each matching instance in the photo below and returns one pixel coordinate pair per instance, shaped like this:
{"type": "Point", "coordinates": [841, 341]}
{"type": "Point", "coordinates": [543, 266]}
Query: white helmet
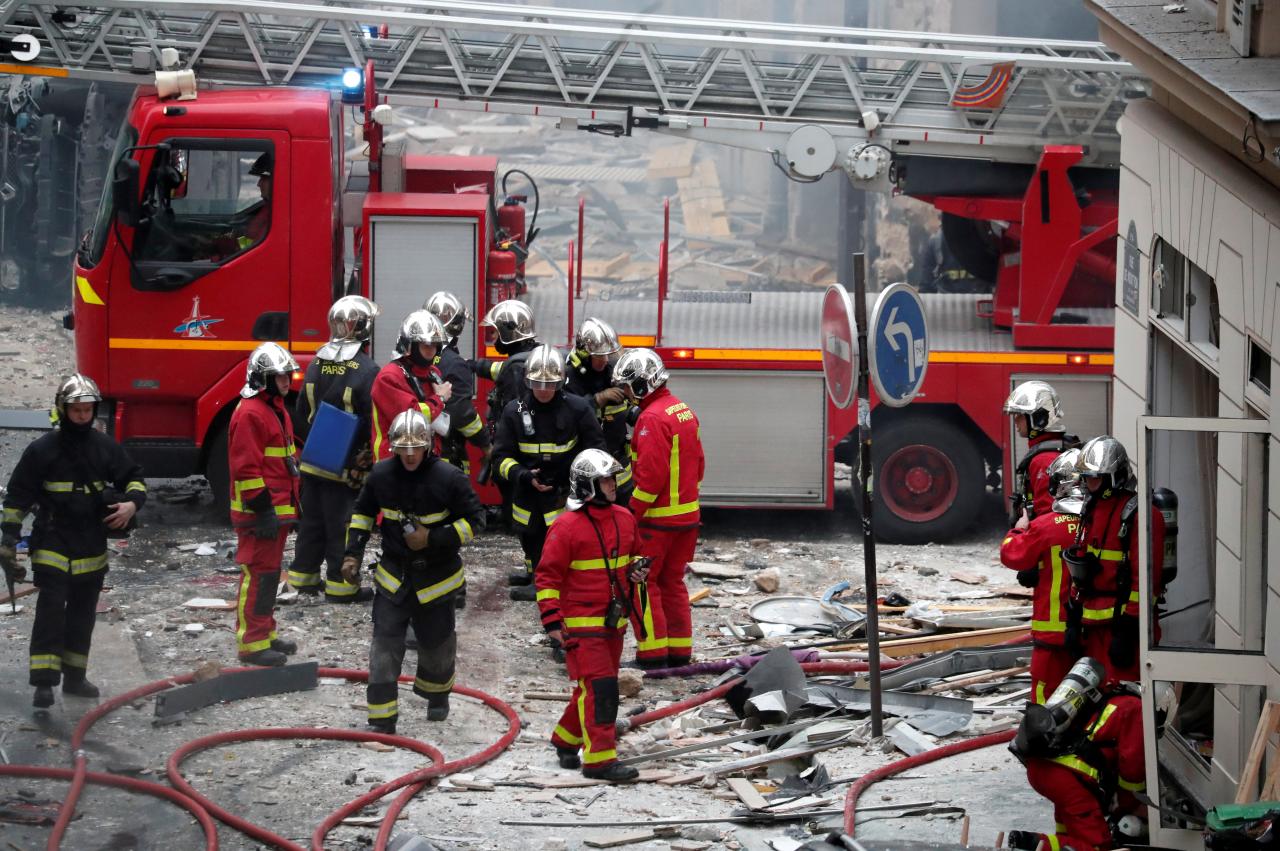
{"type": "Point", "coordinates": [544, 369]}
{"type": "Point", "coordinates": [1039, 401]}
{"type": "Point", "coordinates": [266, 362]}
{"type": "Point", "coordinates": [597, 337]}
{"type": "Point", "coordinates": [75, 388]}
{"type": "Point", "coordinates": [350, 327]}
{"type": "Point", "coordinates": [448, 308]}
{"type": "Point", "coordinates": [641, 370]}
{"type": "Point", "coordinates": [511, 319]}
{"type": "Point", "coordinates": [1062, 471]}
{"type": "Point", "coordinates": [589, 467]}
{"type": "Point", "coordinates": [420, 327]}
{"type": "Point", "coordinates": [1104, 457]}
{"type": "Point", "coordinates": [409, 430]}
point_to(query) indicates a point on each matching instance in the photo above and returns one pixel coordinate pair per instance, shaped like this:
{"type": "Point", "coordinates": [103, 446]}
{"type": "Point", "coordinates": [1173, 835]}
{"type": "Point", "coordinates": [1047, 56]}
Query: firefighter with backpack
{"type": "Point", "coordinates": [411, 381]}
{"type": "Point", "coordinates": [1037, 417]}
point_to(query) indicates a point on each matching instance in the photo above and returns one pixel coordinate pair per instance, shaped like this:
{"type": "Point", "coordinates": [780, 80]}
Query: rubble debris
{"type": "Point", "coordinates": [964, 661]}
{"type": "Point", "coordinates": [937, 715]}
{"type": "Point", "coordinates": [630, 682]}
{"type": "Point", "coordinates": [808, 613]}
{"type": "Point", "coordinates": [718, 571]}
{"type": "Point", "coordinates": [237, 686]}
{"type": "Point", "coordinates": [209, 603]}
{"type": "Point", "coordinates": [614, 840]}
{"type": "Point", "coordinates": [768, 580]}
{"type": "Point", "coordinates": [908, 739]}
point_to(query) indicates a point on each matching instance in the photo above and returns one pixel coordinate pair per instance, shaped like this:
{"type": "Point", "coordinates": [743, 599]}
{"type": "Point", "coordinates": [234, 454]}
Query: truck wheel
{"type": "Point", "coordinates": [928, 480]}
{"type": "Point", "coordinates": [218, 473]}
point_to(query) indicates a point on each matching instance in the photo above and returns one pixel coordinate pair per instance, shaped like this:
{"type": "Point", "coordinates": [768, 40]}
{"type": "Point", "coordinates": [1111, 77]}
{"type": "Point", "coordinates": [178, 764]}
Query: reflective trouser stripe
{"type": "Point", "coordinates": [75, 660]}
{"type": "Point", "coordinates": [378, 711]}
{"type": "Point", "coordinates": [433, 688]}
{"type": "Point", "coordinates": [568, 738]}
{"type": "Point", "coordinates": [303, 580]}
{"type": "Point", "coordinates": [242, 623]}
{"type": "Point", "coordinates": [589, 755]}
{"type": "Point", "coordinates": [46, 662]}
{"type": "Point", "coordinates": [680, 643]}
{"type": "Point", "coordinates": [339, 588]}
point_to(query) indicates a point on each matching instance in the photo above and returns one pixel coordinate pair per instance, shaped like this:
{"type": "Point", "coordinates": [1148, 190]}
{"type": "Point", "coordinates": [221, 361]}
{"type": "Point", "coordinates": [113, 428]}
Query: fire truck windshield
{"type": "Point", "coordinates": [91, 253]}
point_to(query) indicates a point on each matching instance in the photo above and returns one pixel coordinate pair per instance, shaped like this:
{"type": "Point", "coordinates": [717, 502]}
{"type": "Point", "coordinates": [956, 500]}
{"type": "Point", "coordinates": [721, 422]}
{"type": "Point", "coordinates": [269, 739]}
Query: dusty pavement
{"type": "Point", "coordinates": [289, 787]}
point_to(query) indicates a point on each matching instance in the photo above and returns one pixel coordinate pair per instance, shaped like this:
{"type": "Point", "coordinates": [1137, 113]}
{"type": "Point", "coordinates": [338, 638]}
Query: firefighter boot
{"type": "Point", "coordinates": [613, 773]}
{"type": "Point", "coordinates": [43, 698]}
{"type": "Point", "coordinates": [1026, 840]}
{"type": "Point", "coordinates": [438, 707]}
{"type": "Point", "coordinates": [523, 593]}
{"type": "Point", "coordinates": [568, 758]}
{"type": "Point", "coordinates": [520, 577]}
{"type": "Point", "coordinates": [460, 599]}
{"type": "Point", "coordinates": [267, 658]}
{"type": "Point", "coordinates": [283, 645]}
{"type": "Point", "coordinates": [79, 687]}
{"type": "Point", "coordinates": [383, 725]}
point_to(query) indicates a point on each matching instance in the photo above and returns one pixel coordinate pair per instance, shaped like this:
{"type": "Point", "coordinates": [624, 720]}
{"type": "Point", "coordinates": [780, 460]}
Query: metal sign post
{"type": "Point", "coordinates": [864, 470]}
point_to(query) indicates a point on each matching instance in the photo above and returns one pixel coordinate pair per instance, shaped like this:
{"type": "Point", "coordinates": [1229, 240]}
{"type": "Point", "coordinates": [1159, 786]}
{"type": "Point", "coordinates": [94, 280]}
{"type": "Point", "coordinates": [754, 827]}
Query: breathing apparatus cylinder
{"type": "Point", "coordinates": [1044, 725]}
{"type": "Point", "coordinates": [1166, 502]}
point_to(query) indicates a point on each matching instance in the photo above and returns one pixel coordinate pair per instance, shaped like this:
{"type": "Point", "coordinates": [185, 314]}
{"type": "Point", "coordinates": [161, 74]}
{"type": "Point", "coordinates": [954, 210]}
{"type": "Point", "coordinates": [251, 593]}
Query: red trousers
{"type": "Point", "coordinates": [1049, 665]}
{"type": "Point", "coordinates": [588, 721]}
{"type": "Point", "coordinates": [259, 561]}
{"type": "Point", "coordinates": [1080, 821]}
{"type": "Point", "coordinates": [1097, 643]}
{"type": "Point", "coordinates": [667, 622]}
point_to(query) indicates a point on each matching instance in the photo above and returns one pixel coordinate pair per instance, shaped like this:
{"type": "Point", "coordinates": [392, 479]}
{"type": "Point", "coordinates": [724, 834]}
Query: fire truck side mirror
{"type": "Point", "coordinates": [124, 192]}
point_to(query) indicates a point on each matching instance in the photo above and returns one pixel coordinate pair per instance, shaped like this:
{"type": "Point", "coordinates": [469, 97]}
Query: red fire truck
{"type": "Point", "coordinates": [195, 258]}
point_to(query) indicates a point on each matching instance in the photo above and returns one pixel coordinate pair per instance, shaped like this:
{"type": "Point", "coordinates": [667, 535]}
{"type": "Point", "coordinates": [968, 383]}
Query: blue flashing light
{"type": "Point", "coordinates": [353, 86]}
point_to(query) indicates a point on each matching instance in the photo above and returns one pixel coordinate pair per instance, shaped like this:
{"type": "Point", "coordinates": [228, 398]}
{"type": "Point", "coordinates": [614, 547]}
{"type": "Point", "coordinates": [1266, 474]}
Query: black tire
{"type": "Point", "coordinates": [934, 487]}
{"type": "Point", "coordinates": [972, 243]}
{"type": "Point", "coordinates": [217, 472]}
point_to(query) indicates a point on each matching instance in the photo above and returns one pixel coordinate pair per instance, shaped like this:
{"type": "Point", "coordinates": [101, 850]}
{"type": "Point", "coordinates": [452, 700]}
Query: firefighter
{"type": "Point", "coordinates": [82, 487]}
{"type": "Point", "coordinates": [1104, 560]}
{"type": "Point", "coordinates": [1034, 549]}
{"type": "Point", "coordinates": [342, 375]}
{"type": "Point", "coordinates": [428, 512]}
{"type": "Point", "coordinates": [264, 499]}
{"type": "Point", "coordinates": [1083, 752]}
{"type": "Point", "coordinates": [588, 582]}
{"type": "Point", "coordinates": [538, 435]}
{"type": "Point", "coordinates": [514, 337]}
{"type": "Point", "coordinates": [668, 470]}
{"type": "Point", "coordinates": [591, 377]}
{"type": "Point", "coordinates": [411, 380]}
{"type": "Point", "coordinates": [1037, 417]}
{"type": "Point", "coordinates": [260, 217]}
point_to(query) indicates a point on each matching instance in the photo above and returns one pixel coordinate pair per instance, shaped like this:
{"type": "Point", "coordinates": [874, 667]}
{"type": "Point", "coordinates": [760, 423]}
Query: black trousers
{"type": "Point", "coordinates": [66, 611]}
{"type": "Point", "coordinates": [433, 625]}
{"type": "Point", "coordinates": [322, 536]}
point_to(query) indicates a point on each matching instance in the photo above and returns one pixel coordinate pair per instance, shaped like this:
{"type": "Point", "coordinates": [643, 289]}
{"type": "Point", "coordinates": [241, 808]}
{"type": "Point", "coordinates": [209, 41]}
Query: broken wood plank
{"type": "Point", "coordinates": [617, 839]}
{"type": "Point", "coordinates": [935, 643]}
{"type": "Point", "coordinates": [671, 161]}
{"type": "Point", "coordinates": [700, 594]}
{"type": "Point", "coordinates": [747, 793]}
{"type": "Point", "coordinates": [702, 201]}
{"type": "Point", "coordinates": [986, 677]}
{"type": "Point", "coordinates": [1267, 721]}
{"type": "Point", "coordinates": [560, 696]}
{"type": "Point", "coordinates": [759, 761]}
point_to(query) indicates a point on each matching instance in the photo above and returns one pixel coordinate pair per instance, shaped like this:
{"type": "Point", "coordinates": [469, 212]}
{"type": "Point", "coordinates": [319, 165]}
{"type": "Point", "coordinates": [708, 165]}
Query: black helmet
{"type": "Point", "coordinates": [262, 166]}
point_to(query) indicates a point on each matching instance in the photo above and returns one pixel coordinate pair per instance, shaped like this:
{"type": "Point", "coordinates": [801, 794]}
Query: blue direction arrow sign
{"type": "Point", "coordinates": [899, 345]}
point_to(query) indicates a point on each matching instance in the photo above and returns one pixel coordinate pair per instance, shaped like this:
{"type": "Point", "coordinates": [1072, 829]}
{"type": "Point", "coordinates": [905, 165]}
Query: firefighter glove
{"type": "Point", "coordinates": [1029, 577]}
{"type": "Point", "coordinates": [417, 537]}
{"type": "Point", "coordinates": [610, 396]}
{"type": "Point", "coordinates": [13, 571]}
{"type": "Point", "coordinates": [266, 525]}
{"type": "Point", "coordinates": [350, 569]}
{"type": "Point", "coordinates": [1123, 651]}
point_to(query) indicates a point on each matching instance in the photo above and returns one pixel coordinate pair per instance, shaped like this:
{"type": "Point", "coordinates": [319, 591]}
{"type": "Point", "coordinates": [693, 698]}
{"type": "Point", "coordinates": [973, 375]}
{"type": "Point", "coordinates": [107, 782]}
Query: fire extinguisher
{"type": "Point", "coordinates": [1166, 502]}
{"type": "Point", "coordinates": [511, 223]}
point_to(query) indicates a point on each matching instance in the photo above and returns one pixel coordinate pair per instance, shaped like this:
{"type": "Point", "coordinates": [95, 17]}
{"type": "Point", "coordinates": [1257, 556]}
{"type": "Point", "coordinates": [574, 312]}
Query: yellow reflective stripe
{"type": "Point", "coordinates": [472, 428]}
{"type": "Point", "coordinates": [1048, 626]}
{"type": "Point", "coordinates": [346, 400]}
{"type": "Point", "coordinates": [546, 448]}
{"type": "Point", "coordinates": [1104, 614]}
{"type": "Point", "coordinates": [285, 510]}
{"type": "Point", "coordinates": [303, 580]}
{"type": "Point", "coordinates": [249, 484]}
{"type": "Point", "coordinates": [598, 563]}
{"type": "Point", "coordinates": [673, 484]}
{"type": "Point", "coordinates": [561, 733]}
{"type": "Point", "coordinates": [1133, 596]}
{"type": "Point", "coordinates": [623, 477]}
{"type": "Point", "coordinates": [59, 487]}
{"type": "Point", "coordinates": [428, 519]}
{"type": "Point", "coordinates": [385, 579]}
{"type": "Point", "coordinates": [242, 623]}
{"type": "Point", "coordinates": [87, 294]}
{"type": "Point", "coordinates": [424, 519]}
{"type": "Point", "coordinates": [279, 451]}
{"type": "Point", "coordinates": [1109, 555]}
{"type": "Point", "coordinates": [643, 496]}
{"type": "Point", "coordinates": [377, 434]}
{"type": "Point", "coordinates": [549, 517]}
{"type": "Point", "coordinates": [651, 641]}
{"type": "Point", "coordinates": [1039, 695]}
{"type": "Point", "coordinates": [1055, 844]}
{"type": "Point", "coordinates": [590, 757]}
{"type": "Point", "coordinates": [1103, 717]}
{"type": "Point", "coordinates": [549, 594]}
{"type": "Point", "coordinates": [432, 592]}
{"type": "Point", "coordinates": [136, 486]}
{"type": "Point", "coordinates": [614, 410]}
{"type": "Point", "coordinates": [504, 468]}
{"type": "Point", "coordinates": [339, 588]}
{"type": "Point", "coordinates": [49, 558]}
{"type": "Point", "coordinates": [673, 510]}
{"type": "Point", "coordinates": [363, 522]}
{"type": "Point", "coordinates": [463, 528]}
{"type": "Point", "coordinates": [1055, 623]}
{"type": "Point", "coordinates": [1138, 786]}
{"type": "Point", "coordinates": [13, 515]}
{"type": "Point", "coordinates": [494, 369]}
{"type": "Point", "coordinates": [391, 513]}
{"type": "Point", "coordinates": [311, 401]}
{"type": "Point", "coordinates": [383, 710]}
{"type": "Point", "coordinates": [75, 660]}
{"type": "Point", "coordinates": [435, 688]}
{"type": "Point", "coordinates": [520, 515]}
{"type": "Point", "coordinates": [313, 470]}
{"type": "Point", "coordinates": [582, 717]}
{"type": "Point", "coordinates": [426, 410]}
{"type": "Point", "coordinates": [679, 643]}
{"type": "Point", "coordinates": [1075, 763]}
{"type": "Point", "coordinates": [46, 662]}
{"type": "Point", "coordinates": [574, 623]}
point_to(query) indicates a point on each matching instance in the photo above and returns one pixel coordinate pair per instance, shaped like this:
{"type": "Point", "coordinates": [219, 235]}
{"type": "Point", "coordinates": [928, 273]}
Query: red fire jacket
{"type": "Point", "coordinates": [575, 579]}
{"type": "Point", "coordinates": [1036, 479]}
{"type": "Point", "coordinates": [1111, 751]}
{"type": "Point", "coordinates": [1041, 545]}
{"type": "Point", "coordinates": [392, 395]}
{"type": "Point", "coordinates": [667, 444]}
{"type": "Point", "coordinates": [262, 455]}
{"type": "Point", "coordinates": [1102, 521]}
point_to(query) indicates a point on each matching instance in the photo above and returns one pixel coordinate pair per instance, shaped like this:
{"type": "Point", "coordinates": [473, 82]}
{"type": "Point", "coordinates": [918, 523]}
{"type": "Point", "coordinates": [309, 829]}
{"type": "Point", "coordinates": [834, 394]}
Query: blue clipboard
{"type": "Point", "coordinates": [329, 442]}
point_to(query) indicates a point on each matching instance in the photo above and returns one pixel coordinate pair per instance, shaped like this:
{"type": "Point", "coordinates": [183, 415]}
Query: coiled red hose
{"type": "Point", "coordinates": [202, 817]}
{"type": "Point", "coordinates": [871, 777]}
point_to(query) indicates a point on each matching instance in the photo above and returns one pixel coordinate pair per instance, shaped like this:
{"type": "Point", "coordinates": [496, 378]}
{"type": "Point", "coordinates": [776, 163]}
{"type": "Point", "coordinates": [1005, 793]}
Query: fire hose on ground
{"type": "Point", "coordinates": [184, 795]}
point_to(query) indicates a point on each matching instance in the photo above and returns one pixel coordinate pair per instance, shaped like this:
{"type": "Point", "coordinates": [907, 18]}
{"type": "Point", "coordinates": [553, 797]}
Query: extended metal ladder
{"type": "Point", "coordinates": [826, 96]}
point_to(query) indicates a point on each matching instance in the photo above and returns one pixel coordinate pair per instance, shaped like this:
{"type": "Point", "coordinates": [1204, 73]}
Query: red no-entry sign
{"type": "Point", "coordinates": [839, 354]}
